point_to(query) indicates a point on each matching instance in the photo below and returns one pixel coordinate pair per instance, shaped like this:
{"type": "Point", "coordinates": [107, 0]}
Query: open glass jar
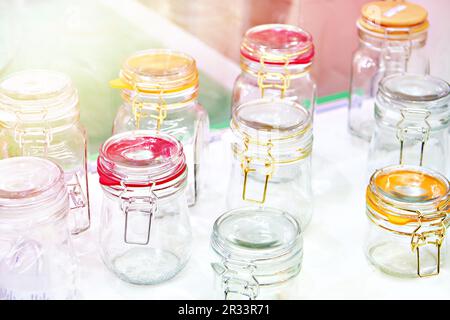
{"type": "Point", "coordinates": [411, 123]}
{"type": "Point", "coordinates": [258, 254]}
{"type": "Point", "coordinates": [392, 37]}
{"type": "Point", "coordinates": [272, 157]}
{"type": "Point", "coordinates": [37, 260]}
{"type": "Point", "coordinates": [145, 235]}
{"type": "Point", "coordinates": [40, 116]}
{"type": "Point", "coordinates": [276, 60]}
{"type": "Point", "coordinates": [408, 209]}
{"type": "Point", "coordinates": [159, 89]}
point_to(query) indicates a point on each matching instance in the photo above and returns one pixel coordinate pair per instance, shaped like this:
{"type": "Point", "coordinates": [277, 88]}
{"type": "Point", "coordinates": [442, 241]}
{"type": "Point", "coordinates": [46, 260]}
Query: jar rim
{"type": "Point", "coordinates": [278, 44]}
{"type": "Point", "coordinates": [158, 71]}
{"type": "Point", "coordinates": [140, 158]}
{"type": "Point", "coordinates": [235, 238]}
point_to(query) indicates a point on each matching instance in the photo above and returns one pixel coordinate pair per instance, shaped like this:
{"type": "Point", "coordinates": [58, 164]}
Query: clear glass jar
{"type": "Point", "coordinates": [392, 37]}
{"type": "Point", "coordinates": [145, 234]}
{"type": "Point", "coordinates": [272, 157]}
{"type": "Point", "coordinates": [37, 260]}
{"type": "Point", "coordinates": [276, 60]}
{"type": "Point", "coordinates": [411, 123]}
{"type": "Point", "coordinates": [408, 209]}
{"type": "Point", "coordinates": [257, 254]}
{"type": "Point", "coordinates": [40, 116]}
{"type": "Point", "coordinates": [159, 89]}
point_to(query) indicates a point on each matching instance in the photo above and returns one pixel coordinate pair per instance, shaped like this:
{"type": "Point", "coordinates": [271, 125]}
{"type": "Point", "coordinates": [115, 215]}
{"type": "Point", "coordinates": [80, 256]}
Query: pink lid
{"type": "Point", "coordinates": [277, 43]}
{"type": "Point", "coordinates": [139, 159]}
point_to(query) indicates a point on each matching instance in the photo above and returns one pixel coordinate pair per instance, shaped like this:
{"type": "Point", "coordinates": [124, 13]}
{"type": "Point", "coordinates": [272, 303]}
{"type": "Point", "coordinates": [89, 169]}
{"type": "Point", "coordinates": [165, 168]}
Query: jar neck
{"type": "Point", "coordinates": [256, 69]}
{"type": "Point", "coordinates": [152, 101]}
{"type": "Point", "coordinates": [380, 42]}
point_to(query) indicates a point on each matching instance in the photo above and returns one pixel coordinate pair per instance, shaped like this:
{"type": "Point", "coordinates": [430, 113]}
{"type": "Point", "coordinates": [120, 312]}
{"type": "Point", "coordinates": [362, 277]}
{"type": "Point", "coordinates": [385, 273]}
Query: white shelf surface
{"type": "Point", "coordinates": [334, 265]}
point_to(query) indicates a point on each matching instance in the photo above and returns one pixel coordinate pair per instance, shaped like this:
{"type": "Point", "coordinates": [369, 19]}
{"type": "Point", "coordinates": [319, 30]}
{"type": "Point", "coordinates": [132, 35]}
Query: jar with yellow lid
{"type": "Point", "coordinates": [276, 61]}
{"type": "Point", "coordinates": [412, 114]}
{"type": "Point", "coordinates": [272, 143]}
{"type": "Point", "coordinates": [159, 89]}
{"type": "Point", "coordinates": [40, 117]}
{"type": "Point", "coordinates": [392, 38]}
{"type": "Point", "coordinates": [408, 208]}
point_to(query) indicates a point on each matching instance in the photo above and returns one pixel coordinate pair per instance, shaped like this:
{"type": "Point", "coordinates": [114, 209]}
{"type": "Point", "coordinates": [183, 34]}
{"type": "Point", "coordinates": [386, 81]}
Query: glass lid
{"type": "Point", "coordinates": [278, 44]}
{"type": "Point", "coordinates": [140, 158]}
{"type": "Point", "coordinates": [158, 71]}
{"type": "Point", "coordinates": [29, 181]}
{"type": "Point", "coordinates": [255, 233]}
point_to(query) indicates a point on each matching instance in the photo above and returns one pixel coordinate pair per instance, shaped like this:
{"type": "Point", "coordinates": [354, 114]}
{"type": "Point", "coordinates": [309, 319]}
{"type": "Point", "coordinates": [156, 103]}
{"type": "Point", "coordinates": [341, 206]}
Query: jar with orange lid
{"type": "Point", "coordinates": [392, 38]}
{"type": "Point", "coordinates": [159, 89]}
{"type": "Point", "coordinates": [276, 61]}
{"type": "Point", "coordinates": [412, 114]}
{"type": "Point", "coordinates": [408, 208]}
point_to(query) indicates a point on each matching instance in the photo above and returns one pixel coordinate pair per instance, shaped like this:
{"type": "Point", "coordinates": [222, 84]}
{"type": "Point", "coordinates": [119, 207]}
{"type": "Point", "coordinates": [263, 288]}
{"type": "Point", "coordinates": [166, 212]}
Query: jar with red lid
{"type": "Point", "coordinates": [145, 232]}
{"type": "Point", "coordinates": [276, 60]}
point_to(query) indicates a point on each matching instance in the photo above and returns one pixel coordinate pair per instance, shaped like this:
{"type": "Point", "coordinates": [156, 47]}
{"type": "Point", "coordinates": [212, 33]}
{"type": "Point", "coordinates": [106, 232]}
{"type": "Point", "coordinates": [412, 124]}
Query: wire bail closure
{"type": "Point", "coordinates": [276, 77]}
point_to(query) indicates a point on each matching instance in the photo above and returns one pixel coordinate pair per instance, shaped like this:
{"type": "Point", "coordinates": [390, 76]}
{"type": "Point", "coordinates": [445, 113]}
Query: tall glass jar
{"type": "Point", "coordinates": [159, 89]}
{"type": "Point", "coordinates": [392, 37]}
{"type": "Point", "coordinates": [272, 157]}
{"type": "Point", "coordinates": [408, 209]}
{"type": "Point", "coordinates": [37, 260]}
{"type": "Point", "coordinates": [145, 235]}
{"type": "Point", "coordinates": [412, 114]}
{"type": "Point", "coordinates": [40, 116]}
{"type": "Point", "coordinates": [276, 60]}
{"type": "Point", "coordinates": [257, 254]}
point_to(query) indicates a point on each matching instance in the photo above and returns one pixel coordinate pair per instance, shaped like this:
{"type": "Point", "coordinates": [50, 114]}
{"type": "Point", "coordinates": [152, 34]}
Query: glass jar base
{"type": "Point", "coordinates": [146, 266]}
{"type": "Point", "coordinates": [400, 261]}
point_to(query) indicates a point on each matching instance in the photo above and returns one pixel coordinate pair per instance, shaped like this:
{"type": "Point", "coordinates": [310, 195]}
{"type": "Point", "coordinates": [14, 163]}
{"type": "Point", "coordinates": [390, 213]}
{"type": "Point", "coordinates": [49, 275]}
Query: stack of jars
{"type": "Point", "coordinates": [405, 115]}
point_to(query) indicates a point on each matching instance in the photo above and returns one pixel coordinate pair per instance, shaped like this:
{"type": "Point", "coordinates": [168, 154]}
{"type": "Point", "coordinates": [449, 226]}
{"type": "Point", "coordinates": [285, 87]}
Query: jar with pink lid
{"type": "Point", "coordinates": [145, 232]}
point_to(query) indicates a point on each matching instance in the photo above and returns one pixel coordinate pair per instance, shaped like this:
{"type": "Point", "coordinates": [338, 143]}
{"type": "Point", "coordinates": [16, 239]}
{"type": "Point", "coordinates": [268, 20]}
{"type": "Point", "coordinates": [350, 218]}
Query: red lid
{"type": "Point", "coordinates": [277, 43]}
{"type": "Point", "coordinates": [140, 159]}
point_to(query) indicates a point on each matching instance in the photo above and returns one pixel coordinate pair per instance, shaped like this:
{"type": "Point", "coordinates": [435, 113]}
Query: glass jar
{"type": "Point", "coordinates": [408, 208]}
{"type": "Point", "coordinates": [40, 116]}
{"type": "Point", "coordinates": [276, 60]}
{"type": "Point", "coordinates": [145, 235]}
{"type": "Point", "coordinates": [392, 37]}
{"type": "Point", "coordinates": [411, 123]}
{"type": "Point", "coordinates": [257, 254]}
{"type": "Point", "coordinates": [272, 157]}
{"type": "Point", "coordinates": [159, 89]}
{"type": "Point", "coordinates": [37, 260]}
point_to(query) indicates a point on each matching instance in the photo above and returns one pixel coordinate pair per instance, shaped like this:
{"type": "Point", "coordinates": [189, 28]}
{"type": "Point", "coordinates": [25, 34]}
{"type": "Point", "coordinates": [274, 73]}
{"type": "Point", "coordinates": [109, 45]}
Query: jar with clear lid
{"type": "Point", "coordinates": [145, 234]}
{"type": "Point", "coordinates": [40, 116]}
{"type": "Point", "coordinates": [276, 61]}
{"type": "Point", "coordinates": [257, 254]}
{"type": "Point", "coordinates": [392, 38]}
{"type": "Point", "coordinates": [37, 261]}
{"type": "Point", "coordinates": [408, 209]}
{"type": "Point", "coordinates": [272, 143]}
{"type": "Point", "coordinates": [411, 123]}
{"type": "Point", "coordinates": [159, 89]}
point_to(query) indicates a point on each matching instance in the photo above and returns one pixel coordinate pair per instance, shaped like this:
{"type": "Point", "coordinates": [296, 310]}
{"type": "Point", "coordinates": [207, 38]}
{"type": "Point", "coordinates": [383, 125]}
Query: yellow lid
{"type": "Point", "coordinates": [157, 71]}
{"type": "Point", "coordinates": [393, 17]}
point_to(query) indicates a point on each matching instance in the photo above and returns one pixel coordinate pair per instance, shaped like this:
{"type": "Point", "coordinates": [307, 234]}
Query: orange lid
{"type": "Point", "coordinates": [379, 16]}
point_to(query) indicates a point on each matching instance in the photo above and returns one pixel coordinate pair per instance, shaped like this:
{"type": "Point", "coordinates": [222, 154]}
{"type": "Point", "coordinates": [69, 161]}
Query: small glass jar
{"type": "Point", "coordinates": [272, 157]}
{"type": "Point", "coordinates": [145, 234]}
{"type": "Point", "coordinates": [411, 123]}
{"type": "Point", "coordinates": [40, 116]}
{"type": "Point", "coordinates": [408, 209]}
{"type": "Point", "coordinates": [392, 37]}
{"type": "Point", "coordinates": [257, 254]}
{"type": "Point", "coordinates": [276, 60]}
{"type": "Point", "coordinates": [159, 89]}
{"type": "Point", "coordinates": [37, 261]}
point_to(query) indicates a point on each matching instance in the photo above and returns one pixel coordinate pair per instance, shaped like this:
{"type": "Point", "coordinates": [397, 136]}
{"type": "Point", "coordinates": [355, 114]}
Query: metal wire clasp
{"type": "Point", "coordinates": [247, 169]}
{"type": "Point", "coordinates": [405, 129]}
{"type": "Point", "coordinates": [137, 107]}
{"type": "Point", "coordinates": [432, 237]}
{"type": "Point", "coordinates": [274, 77]}
{"type": "Point", "coordinates": [138, 205]}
